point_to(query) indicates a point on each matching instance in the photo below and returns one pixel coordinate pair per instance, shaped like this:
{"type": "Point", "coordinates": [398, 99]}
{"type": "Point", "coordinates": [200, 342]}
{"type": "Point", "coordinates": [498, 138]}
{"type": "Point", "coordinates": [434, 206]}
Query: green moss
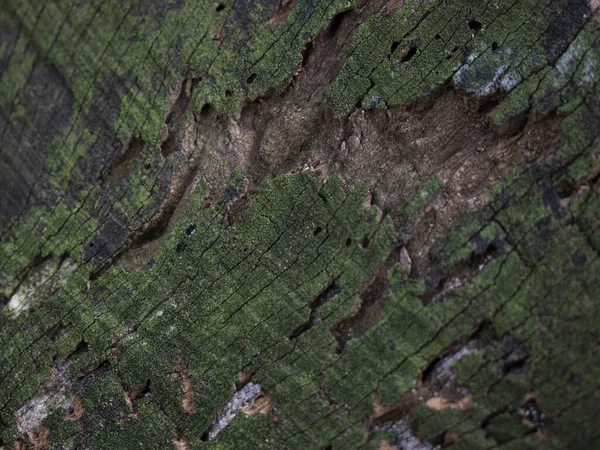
{"type": "Point", "coordinates": [400, 57]}
{"type": "Point", "coordinates": [230, 297]}
{"type": "Point", "coordinates": [426, 194]}
{"type": "Point", "coordinates": [243, 289]}
{"type": "Point", "coordinates": [129, 66]}
{"type": "Point", "coordinates": [14, 77]}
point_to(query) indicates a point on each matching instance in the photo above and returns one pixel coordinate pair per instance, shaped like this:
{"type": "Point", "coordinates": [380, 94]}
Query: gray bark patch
{"type": "Point", "coordinates": [241, 399]}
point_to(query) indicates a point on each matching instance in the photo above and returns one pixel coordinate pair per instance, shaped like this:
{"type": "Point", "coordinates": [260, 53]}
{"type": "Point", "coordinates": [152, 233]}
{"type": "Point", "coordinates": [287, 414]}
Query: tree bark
{"type": "Point", "coordinates": [299, 224]}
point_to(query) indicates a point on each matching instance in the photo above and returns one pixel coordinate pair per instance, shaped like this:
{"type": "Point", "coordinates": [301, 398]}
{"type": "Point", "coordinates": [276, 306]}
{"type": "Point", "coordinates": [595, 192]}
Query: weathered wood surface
{"type": "Point", "coordinates": [299, 224]}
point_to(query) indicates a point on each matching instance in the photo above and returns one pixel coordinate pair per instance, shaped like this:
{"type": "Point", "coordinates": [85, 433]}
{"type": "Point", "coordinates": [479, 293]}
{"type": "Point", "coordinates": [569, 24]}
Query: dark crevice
{"type": "Point", "coordinates": [372, 301]}
{"type": "Point", "coordinates": [488, 106]}
{"type": "Point", "coordinates": [81, 349]}
{"type": "Point", "coordinates": [515, 358]}
{"type": "Point", "coordinates": [428, 373]}
{"type": "Point", "coordinates": [143, 392]}
{"type": "Point", "coordinates": [173, 121]}
{"type": "Point", "coordinates": [336, 23]}
{"type": "Point", "coordinates": [122, 166]}
{"type": "Point", "coordinates": [591, 181]}
{"type": "Point", "coordinates": [307, 52]}
{"type": "Point", "coordinates": [514, 125]}
{"type": "Point", "coordinates": [515, 366]}
{"type": "Point", "coordinates": [332, 290]}
{"type": "Point", "coordinates": [440, 285]}
{"type": "Point", "coordinates": [393, 415]}
{"type": "Point", "coordinates": [95, 369]}
{"type": "Point", "coordinates": [156, 227]}
{"type": "Point", "coordinates": [364, 242]}
{"type": "Point", "coordinates": [358, 104]}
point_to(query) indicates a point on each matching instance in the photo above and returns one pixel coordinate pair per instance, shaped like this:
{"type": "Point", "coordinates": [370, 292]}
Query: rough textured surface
{"type": "Point", "coordinates": [299, 224]}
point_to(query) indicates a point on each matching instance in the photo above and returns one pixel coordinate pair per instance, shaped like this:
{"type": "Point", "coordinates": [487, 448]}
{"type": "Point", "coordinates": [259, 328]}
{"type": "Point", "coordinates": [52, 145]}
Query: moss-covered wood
{"type": "Point", "coordinates": [299, 224]}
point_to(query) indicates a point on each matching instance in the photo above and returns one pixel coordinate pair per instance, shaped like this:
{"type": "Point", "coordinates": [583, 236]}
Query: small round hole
{"type": "Point", "coordinates": [191, 229]}
{"type": "Point", "coordinates": [348, 242]}
{"type": "Point", "coordinates": [475, 25]}
{"type": "Point", "coordinates": [228, 94]}
{"type": "Point", "coordinates": [494, 46]}
{"type": "Point", "coordinates": [206, 110]}
{"type": "Point", "coordinates": [317, 231]}
{"type": "Point", "coordinates": [251, 78]}
{"type": "Point", "coordinates": [220, 7]}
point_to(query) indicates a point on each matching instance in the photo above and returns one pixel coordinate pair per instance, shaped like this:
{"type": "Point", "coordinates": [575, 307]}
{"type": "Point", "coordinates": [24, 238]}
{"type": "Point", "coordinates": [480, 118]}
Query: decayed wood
{"type": "Point", "coordinates": [293, 224]}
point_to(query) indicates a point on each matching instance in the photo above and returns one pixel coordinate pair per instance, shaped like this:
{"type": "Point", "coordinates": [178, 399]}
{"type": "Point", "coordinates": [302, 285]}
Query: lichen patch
{"type": "Point", "coordinates": [41, 283]}
{"type": "Point", "coordinates": [243, 398]}
{"type": "Point", "coordinates": [54, 394]}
